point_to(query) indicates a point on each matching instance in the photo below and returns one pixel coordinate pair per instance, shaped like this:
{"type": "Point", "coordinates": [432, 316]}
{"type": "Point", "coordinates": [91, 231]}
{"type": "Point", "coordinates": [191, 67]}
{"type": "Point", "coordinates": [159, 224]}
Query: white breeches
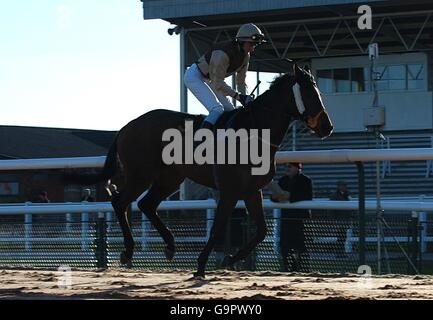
{"type": "Point", "coordinates": [215, 102]}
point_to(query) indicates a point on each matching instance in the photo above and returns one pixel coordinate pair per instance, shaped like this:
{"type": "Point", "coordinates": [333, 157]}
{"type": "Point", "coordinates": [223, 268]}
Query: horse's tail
{"type": "Point", "coordinates": [110, 168]}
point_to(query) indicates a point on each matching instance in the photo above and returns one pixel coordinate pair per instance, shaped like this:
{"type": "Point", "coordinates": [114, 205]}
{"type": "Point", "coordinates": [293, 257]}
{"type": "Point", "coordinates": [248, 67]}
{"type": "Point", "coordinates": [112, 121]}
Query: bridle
{"type": "Point", "coordinates": [312, 121]}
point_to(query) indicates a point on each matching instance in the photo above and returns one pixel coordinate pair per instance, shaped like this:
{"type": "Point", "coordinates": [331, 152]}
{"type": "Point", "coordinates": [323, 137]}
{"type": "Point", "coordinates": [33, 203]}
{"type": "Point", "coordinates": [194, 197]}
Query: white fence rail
{"type": "Point", "coordinates": [317, 204]}
{"type": "Point", "coordinates": [420, 207]}
{"type": "Point", "coordinates": [341, 155]}
{"type": "Point", "coordinates": [328, 156]}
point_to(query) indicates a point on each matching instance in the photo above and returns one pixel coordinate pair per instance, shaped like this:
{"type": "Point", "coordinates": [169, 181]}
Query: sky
{"type": "Point", "coordinates": [87, 64]}
{"type": "Point", "coordinates": [84, 64]}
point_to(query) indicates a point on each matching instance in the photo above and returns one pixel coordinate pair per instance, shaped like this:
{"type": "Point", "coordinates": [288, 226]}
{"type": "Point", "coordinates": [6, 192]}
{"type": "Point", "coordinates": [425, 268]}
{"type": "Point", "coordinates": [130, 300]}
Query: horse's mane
{"type": "Point", "coordinates": [280, 81]}
{"type": "Point", "coordinates": [276, 84]}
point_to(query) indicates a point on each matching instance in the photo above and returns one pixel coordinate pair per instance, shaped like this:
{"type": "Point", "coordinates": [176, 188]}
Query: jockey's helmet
{"type": "Point", "coordinates": [250, 32]}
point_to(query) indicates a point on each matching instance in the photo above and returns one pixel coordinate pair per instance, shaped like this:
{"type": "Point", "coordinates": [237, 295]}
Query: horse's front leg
{"type": "Point", "coordinates": [254, 206]}
{"type": "Point", "coordinates": [226, 205]}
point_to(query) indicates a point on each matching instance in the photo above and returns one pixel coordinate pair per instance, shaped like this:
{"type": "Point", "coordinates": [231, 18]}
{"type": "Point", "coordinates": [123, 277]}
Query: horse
{"type": "Point", "coordinates": [138, 147]}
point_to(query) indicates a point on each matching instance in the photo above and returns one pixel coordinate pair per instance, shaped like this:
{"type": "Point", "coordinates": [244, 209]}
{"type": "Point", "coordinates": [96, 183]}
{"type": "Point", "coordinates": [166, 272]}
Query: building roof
{"type": "Point", "coordinates": [36, 142]}
{"type": "Point", "coordinates": [170, 9]}
{"type": "Point", "coordinates": [298, 30]}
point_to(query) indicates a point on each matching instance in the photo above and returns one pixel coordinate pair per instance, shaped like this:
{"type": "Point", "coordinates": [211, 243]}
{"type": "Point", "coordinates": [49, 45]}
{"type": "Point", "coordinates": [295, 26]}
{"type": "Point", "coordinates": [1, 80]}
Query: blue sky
{"type": "Point", "coordinates": [84, 64]}
{"type": "Point", "coordinates": [92, 64]}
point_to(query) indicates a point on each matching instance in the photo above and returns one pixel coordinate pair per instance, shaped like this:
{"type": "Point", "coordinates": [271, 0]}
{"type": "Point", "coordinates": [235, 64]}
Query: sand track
{"type": "Point", "coordinates": [141, 284]}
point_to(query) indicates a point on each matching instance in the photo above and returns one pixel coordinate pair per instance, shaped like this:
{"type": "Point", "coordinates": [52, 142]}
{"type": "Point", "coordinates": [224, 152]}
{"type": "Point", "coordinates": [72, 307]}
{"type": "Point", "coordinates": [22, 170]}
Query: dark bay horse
{"type": "Point", "coordinates": [138, 150]}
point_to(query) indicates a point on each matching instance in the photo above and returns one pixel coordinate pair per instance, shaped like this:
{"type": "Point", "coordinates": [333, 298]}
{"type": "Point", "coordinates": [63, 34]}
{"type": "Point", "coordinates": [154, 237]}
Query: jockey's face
{"type": "Point", "coordinates": [249, 46]}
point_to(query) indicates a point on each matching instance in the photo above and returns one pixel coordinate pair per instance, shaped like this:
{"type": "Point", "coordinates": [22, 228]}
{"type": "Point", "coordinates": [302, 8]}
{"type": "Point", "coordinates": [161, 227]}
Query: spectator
{"type": "Point", "coordinates": [341, 217]}
{"type": "Point", "coordinates": [42, 197]}
{"type": "Point", "coordinates": [293, 186]}
{"type": "Point", "coordinates": [87, 195]}
{"type": "Point", "coordinates": [342, 193]}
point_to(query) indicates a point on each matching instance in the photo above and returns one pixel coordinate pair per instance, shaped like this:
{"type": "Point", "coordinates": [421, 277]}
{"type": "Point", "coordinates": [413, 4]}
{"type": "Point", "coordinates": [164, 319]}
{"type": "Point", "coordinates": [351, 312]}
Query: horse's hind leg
{"type": "Point", "coordinates": [166, 184]}
{"type": "Point", "coordinates": [120, 202]}
{"type": "Point", "coordinates": [255, 209]}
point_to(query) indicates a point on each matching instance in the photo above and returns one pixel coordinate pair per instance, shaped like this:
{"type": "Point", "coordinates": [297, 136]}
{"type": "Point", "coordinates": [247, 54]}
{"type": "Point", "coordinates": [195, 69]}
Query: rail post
{"type": "Point", "coordinates": [68, 223]}
{"type": "Point", "coordinates": [84, 231]}
{"type": "Point", "coordinates": [276, 213]}
{"type": "Point", "coordinates": [28, 231]}
{"type": "Point", "coordinates": [361, 210]}
{"type": "Point", "coordinates": [101, 241]}
{"type": "Point", "coordinates": [422, 220]}
{"type": "Point", "coordinates": [144, 231]}
{"type": "Point", "coordinates": [413, 244]}
{"type": "Point", "coordinates": [210, 214]}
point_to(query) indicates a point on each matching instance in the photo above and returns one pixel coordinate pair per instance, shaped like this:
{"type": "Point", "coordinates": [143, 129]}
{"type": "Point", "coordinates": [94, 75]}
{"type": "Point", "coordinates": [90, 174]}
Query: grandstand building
{"type": "Point", "coordinates": [325, 35]}
{"type": "Point", "coordinates": [20, 142]}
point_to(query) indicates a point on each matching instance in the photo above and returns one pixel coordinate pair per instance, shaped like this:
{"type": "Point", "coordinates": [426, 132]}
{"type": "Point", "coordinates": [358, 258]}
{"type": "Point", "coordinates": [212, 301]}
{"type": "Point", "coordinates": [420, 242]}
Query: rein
{"type": "Point", "coordinates": [312, 121]}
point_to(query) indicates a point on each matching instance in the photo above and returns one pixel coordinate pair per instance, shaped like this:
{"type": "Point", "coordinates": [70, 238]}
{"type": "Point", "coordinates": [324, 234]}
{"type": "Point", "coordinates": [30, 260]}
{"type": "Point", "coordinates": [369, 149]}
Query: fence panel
{"type": "Point", "coordinates": [331, 244]}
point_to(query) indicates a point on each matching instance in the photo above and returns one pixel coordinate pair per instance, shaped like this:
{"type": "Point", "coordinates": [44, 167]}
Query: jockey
{"type": "Point", "coordinates": [205, 78]}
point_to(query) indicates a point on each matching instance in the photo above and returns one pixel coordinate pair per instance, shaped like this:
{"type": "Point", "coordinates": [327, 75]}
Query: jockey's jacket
{"type": "Point", "coordinates": [221, 61]}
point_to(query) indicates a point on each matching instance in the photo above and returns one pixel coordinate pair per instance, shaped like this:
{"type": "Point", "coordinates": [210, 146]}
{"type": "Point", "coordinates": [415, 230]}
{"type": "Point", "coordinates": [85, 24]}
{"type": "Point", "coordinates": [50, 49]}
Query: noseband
{"type": "Point", "coordinates": [312, 121]}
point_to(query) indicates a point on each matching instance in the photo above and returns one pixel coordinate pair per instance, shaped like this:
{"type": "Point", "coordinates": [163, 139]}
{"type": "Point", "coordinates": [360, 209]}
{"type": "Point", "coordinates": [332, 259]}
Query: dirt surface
{"type": "Point", "coordinates": [140, 284]}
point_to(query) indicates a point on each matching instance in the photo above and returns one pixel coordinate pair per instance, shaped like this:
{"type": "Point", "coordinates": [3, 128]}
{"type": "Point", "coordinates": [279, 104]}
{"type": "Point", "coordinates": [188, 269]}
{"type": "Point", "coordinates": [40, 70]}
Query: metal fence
{"type": "Point", "coordinates": [397, 244]}
{"type": "Point", "coordinates": [93, 240]}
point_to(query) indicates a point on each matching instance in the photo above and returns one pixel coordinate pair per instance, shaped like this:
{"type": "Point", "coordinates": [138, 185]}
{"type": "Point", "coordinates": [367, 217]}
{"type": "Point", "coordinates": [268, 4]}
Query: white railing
{"type": "Point", "coordinates": [317, 204]}
{"type": "Point", "coordinates": [209, 205]}
{"type": "Point", "coordinates": [328, 156]}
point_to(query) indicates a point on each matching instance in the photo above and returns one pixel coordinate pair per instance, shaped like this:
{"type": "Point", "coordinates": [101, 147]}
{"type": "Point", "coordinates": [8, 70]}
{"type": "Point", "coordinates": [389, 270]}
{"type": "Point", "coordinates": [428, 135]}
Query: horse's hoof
{"type": "Point", "coordinates": [125, 260]}
{"type": "Point", "coordinates": [199, 275]}
{"type": "Point", "coordinates": [169, 253]}
{"type": "Point", "coordinates": [228, 262]}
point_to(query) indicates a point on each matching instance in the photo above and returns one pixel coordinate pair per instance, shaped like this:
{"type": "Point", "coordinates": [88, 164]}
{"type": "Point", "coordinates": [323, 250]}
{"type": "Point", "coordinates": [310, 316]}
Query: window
{"type": "Point", "coordinates": [388, 77]}
{"type": "Point", "coordinates": [324, 80]}
{"type": "Point", "coordinates": [342, 80]}
{"type": "Point", "coordinates": [359, 79]}
{"type": "Point", "coordinates": [414, 76]}
{"type": "Point", "coordinates": [391, 77]}
{"type": "Point", "coordinates": [9, 188]}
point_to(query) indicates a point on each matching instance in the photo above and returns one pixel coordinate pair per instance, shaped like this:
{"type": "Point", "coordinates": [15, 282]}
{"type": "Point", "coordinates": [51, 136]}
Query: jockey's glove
{"type": "Point", "coordinates": [244, 99]}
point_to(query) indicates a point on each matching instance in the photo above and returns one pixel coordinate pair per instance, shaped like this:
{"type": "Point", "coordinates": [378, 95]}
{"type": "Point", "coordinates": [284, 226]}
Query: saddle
{"type": "Point", "coordinates": [224, 122]}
